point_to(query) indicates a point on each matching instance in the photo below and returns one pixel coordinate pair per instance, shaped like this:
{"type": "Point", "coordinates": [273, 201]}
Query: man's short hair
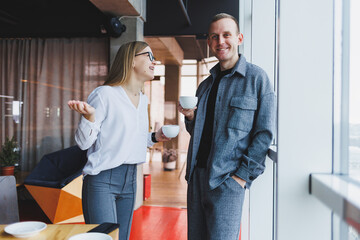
{"type": "Point", "coordinates": [219, 16]}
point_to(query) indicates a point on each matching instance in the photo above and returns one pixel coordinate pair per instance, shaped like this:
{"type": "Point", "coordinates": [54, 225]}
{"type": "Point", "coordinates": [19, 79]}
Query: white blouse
{"type": "Point", "coordinates": [120, 133]}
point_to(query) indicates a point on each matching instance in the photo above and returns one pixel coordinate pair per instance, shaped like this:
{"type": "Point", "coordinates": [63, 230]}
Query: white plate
{"type": "Point", "coordinates": [25, 229]}
{"type": "Point", "coordinates": [91, 236]}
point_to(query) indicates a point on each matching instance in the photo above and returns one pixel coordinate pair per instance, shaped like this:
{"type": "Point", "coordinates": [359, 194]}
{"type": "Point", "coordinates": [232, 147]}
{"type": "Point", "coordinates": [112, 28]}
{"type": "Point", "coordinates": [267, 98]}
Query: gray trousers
{"type": "Point", "coordinates": [110, 197]}
{"type": "Point", "coordinates": [213, 214]}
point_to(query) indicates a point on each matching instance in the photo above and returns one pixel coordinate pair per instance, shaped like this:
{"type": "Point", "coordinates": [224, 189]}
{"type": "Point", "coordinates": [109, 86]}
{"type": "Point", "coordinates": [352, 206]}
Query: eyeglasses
{"type": "Point", "coordinates": [150, 55]}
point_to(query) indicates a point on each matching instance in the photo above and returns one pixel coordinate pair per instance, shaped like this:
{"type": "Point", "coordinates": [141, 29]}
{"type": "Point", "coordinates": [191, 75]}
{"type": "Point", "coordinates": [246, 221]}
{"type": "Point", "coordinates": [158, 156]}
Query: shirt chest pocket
{"type": "Point", "coordinates": [242, 112]}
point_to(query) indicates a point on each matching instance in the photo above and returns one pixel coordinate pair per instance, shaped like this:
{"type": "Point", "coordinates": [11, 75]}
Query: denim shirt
{"type": "Point", "coordinates": [244, 123]}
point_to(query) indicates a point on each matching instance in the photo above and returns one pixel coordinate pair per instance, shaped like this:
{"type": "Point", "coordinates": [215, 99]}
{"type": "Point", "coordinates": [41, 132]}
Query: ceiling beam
{"type": "Point", "coordinates": [119, 7]}
{"type": "Point", "coordinates": [166, 49]}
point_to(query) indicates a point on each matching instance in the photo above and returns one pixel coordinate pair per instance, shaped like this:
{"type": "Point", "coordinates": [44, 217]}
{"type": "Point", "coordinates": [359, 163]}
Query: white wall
{"type": "Point", "coordinates": [305, 116]}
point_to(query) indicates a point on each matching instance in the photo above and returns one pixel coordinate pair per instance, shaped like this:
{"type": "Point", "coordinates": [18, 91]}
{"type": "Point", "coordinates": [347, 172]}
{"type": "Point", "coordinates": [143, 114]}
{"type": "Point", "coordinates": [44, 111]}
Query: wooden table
{"type": "Point", "coordinates": [58, 232]}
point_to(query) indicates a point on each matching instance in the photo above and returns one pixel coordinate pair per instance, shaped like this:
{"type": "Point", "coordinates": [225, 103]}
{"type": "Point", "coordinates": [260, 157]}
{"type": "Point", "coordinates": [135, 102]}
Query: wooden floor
{"type": "Point", "coordinates": [168, 188]}
{"type": "Point", "coordinates": [163, 215]}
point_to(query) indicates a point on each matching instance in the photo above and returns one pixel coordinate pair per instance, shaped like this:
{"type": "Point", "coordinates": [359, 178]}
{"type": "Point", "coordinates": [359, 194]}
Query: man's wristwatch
{"type": "Point", "coordinates": [153, 138]}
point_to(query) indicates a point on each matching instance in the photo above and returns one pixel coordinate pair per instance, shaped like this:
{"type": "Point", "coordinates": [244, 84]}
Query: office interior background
{"type": "Point", "coordinates": [309, 49]}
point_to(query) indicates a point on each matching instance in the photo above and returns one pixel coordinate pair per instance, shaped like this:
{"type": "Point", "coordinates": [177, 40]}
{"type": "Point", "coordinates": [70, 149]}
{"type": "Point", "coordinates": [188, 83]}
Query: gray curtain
{"type": "Point", "coordinates": [40, 76]}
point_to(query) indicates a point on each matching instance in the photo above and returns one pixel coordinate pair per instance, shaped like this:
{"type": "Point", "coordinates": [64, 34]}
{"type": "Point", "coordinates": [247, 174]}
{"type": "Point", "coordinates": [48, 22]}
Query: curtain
{"type": "Point", "coordinates": [37, 78]}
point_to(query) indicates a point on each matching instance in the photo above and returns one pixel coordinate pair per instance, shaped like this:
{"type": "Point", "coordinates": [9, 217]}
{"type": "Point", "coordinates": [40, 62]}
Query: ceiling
{"type": "Point", "coordinates": [50, 18]}
{"type": "Point", "coordinates": [184, 20]}
{"type": "Point", "coordinates": [187, 21]}
{"type": "Point", "coordinates": [193, 48]}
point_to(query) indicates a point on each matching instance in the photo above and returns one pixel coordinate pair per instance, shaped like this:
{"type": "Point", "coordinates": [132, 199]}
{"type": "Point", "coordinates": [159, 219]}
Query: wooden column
{"type": "Point", "coordinates": [172, 91]}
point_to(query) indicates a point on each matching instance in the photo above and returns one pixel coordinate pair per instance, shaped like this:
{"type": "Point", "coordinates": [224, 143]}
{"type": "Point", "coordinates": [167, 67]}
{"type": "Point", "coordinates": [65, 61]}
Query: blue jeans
{"type": "Point", "coordinates": [213, 214]}
{"type": "Point", "coordinates": [110, 196]}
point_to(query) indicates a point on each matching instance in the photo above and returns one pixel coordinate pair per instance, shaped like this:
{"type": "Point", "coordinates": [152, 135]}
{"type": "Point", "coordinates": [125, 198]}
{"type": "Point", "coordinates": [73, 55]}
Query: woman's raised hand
{"type": "Point", "coordinates": [83, 108]}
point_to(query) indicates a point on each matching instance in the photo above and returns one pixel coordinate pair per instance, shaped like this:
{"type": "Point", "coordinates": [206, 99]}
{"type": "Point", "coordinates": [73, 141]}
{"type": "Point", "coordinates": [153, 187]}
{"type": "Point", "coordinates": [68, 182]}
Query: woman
{"type": "Point", "coordinates": [114, 129]}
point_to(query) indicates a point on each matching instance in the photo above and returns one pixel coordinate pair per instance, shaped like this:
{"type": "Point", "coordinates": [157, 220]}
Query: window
{"type": "Point", "coordinates": [347, 88]}
{"type": "Point", "coordinates": [346, 101]}
{"type": "Point", "coordinates": [354, 90]}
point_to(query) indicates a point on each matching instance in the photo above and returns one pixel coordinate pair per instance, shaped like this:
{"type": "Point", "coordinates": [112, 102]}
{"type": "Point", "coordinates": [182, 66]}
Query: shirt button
{"type": "Point", "coordinates": [251, 178]}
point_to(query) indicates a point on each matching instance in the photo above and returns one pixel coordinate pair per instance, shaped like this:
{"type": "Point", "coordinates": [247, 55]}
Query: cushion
{"type": "Point", "coordinates": [59, 168]}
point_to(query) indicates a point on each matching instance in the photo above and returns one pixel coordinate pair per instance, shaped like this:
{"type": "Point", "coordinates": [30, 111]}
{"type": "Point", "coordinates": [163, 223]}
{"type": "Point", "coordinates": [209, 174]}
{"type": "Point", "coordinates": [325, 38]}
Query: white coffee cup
{"type": "Point", "coordinates": [170, 131]}
{"type": "Point", "coordinates": [188, 102]}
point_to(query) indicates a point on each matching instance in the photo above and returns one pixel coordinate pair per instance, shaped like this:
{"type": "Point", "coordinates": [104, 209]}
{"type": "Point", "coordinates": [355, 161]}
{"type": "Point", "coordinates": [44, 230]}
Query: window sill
{"type": "Point", "coordinates": [340, 194]}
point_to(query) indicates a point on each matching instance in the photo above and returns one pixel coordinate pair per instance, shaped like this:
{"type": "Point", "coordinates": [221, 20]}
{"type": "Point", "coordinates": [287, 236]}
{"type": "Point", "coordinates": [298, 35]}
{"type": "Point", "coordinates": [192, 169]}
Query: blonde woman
{"type": "Point", "coordinates": [114, 129]}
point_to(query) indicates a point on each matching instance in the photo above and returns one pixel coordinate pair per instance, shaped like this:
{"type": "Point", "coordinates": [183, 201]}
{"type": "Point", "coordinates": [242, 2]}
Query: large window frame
{"type": "Point", "coordinates": [340, 190]}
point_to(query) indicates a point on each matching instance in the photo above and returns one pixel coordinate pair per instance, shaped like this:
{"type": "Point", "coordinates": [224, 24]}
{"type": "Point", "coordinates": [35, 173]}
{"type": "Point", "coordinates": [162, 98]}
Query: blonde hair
{"type": "Point", "coordinates": [121, 67]}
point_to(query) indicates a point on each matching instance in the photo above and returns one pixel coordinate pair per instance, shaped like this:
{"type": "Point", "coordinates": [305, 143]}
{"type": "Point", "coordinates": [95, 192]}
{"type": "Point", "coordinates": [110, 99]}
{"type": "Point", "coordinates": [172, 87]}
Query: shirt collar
{"type": "Point", "coordinates": [240, 67]}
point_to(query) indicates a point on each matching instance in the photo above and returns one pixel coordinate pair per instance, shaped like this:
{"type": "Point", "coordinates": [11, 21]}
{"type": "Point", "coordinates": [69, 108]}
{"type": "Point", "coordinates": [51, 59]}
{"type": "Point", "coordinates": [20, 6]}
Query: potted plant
{"type": "Point", "coordinates": [169, 158]}
{"type": "Point", "coordinates": [9, 156]}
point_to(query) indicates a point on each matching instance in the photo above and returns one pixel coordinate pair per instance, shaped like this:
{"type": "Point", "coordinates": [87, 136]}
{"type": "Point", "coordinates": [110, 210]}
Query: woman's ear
{"type": "Point", "coordinates": [133, 64]}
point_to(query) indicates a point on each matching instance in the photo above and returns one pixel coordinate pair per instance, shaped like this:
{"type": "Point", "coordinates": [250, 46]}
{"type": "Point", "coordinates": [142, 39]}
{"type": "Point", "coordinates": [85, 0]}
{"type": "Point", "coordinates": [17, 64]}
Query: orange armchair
{"type": "Point", "coordinates": [56, 183]}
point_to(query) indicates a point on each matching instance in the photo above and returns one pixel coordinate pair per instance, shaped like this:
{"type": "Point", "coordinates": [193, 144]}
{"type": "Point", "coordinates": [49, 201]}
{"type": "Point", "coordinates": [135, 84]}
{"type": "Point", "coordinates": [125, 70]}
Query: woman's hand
{"type": "Point", "coordinates": [188, 113]}
{"type": "Point", "coordinates": [160, 137]}
{"type": "Point", "coordinates": [83, 108]}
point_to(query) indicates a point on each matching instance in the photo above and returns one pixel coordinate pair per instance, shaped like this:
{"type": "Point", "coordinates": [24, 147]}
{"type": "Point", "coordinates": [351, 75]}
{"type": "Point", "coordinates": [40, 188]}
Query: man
{"type": "Point", "coordinates": [231, 130]}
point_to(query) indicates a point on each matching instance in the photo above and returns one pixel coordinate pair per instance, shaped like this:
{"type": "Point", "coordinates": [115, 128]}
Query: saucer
{"type": "Point", "coordinates": [91, 236]}
{"type": "Point", "coordinates": [25, 229]}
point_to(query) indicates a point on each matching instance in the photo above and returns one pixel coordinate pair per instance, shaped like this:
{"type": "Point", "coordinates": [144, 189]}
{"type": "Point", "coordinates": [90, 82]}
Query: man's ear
{"type": "Point", "coordinates": [241, 38]}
